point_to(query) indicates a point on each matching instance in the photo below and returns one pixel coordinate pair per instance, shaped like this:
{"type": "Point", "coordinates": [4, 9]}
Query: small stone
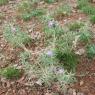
{"type": "Point", "coordinates": [80, 18]}
{"type": "Point", "coordinates": [70, 91]}
{"type": "Point", "coordinates": [48, 94]}
{"type": "Point", "coordinates": [39, 82]}
{"type": "Point", "coordinates": [81, 83]}
{"type": "Point", "coordinates": [79, 93]}
{"type": "Point", "coordinates": [74, 92]}
{"type": "Point", "coordinates": [80, 52]}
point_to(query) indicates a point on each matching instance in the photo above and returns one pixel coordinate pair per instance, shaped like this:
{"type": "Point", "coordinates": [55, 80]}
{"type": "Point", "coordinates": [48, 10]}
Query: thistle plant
{"type": "Point", "coordinates": [24, 57]}
{"type": "Point", "coordinates": [62, 10]}
{"type": "Point", "coordinates": [85, 34]}
{"type": "Point", "coordinates": [26, 11]}
{"type": "Point", "coordinates": [90, 51]}
{"type": "Point", "coordinates": [90, 10]}
{"type": "Point", "coordinates": [24, 6]}
{"type": "Point", "coordinates": [86, 37]}
{"type": "Point", "coordinates": [86, 7]}
{"type": "Point", "coordinates": [82, 3]}
{"type": "Point", "coordinates": [15, 36]}
{"type": "Point", "coordinates": [53, 28]}
{"type": "Point", "coordinates": [75, 26]}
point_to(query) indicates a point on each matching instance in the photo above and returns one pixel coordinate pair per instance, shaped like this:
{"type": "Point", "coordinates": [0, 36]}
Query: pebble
{"type": "Point", "coordinates": [79, 93]}
{"type": "Point", "coordinates": [70, 91]}
{"type": "Point", "coordinates": [74, 92]}
{"type": "Point", "coordinates": [81, 83]}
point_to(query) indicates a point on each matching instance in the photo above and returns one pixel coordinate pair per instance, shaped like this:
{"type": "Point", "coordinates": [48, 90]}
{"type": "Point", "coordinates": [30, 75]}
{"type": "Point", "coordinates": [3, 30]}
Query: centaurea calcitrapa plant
{"type": "Point", "coordinates": [85, 34]}
{"type": "Point", "coordinates": [26, 10]}
{"type": "Point", "coordinates": [75, 26]}
{"type": "Point", "coordinates": [62, 42]}
{"type": "Point", "coordinates": [90, 50]}
{"type": "Point", "coordinates": [47, 68]}
{"type": "Point", "coordinates": [63, 10]}
{"type": "Point", "coordinates": [15, 36]}
{"type": "Point", "coordinates": [86, 7]}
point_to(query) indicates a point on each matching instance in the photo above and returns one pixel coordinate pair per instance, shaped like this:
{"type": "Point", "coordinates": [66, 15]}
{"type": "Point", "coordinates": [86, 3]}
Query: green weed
{"type": "Point", "coordinates": [90, 10]}
{"type": "Point", "coordinates": [90, 51]}
{"type": "Point", "coordinates": [82, 3]}
{"type": "Point", "coordinates": [50, 1]}
{"type": "Point", "coordinates": [86, 7]}
{"type": "Point", "coordinates": [63, 10]}
{"type": "Point", "coordinates": [75, 26]}
{"type": "Point", "coordinates": [64, 52]}
{"type": "Point", "coordinates": [26, 11]}
{"type": "Point", "coordinates": [3, 2]}
{"type": "Point", "coordinates": [10, 73]}
{"type": "Point", "coordinates": [85, 36]}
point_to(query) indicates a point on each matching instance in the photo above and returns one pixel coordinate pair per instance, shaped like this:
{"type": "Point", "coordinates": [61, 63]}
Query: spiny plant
{"type": "Point", "coordinates": [24, 57]}
{"type": "Point", "coordinates": [69, 59]}
{"type": "Point", "coordinates": [24, 6]}
{"type": "Point", "coordinates": [65, 78]}
{"type": "Point", "coordinates": [62, 10]}
{"type": "Point", "coordinates": [65, 42]}
{"type": "Point", "coordinates": [26, 10]}
{"type": "Point", "coordinates": [48, 58]}
{"type": "Point", "coordinates": [82, 3]}
{"type": "Point", "coordinates": [10, 73]}
{"type": "Point", "coordinates": [15, 36]}
{"type": "Point", "coordinates": [90, 51]}
{"type": "Point", "coordinates": [85, 34]}
{"type": "Point", "coordinates": [51, 74]}
{"type": "Point", "coordinates": [53, 28]}
{"type": "Point", "coordinates": [46, 69]}
{"type": "Point", "coordinates": [47, 76]}
{"type": "Point", "coordinates": [75, 26]}
{"type": "Point", "coordinates": [3, 2]}
{"type": "Point", "coordinates": [86, 7]}
{"type": "Point", "coordinates": [34, 13]}
{"type": "Point", "coordinates": [90, 10]}
{"type": "Point", "coordinates": [64, 52]}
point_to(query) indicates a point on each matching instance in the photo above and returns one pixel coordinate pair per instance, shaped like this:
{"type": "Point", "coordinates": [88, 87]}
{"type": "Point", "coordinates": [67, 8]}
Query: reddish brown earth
{"type": "Point", "coordinates": [85, 85]}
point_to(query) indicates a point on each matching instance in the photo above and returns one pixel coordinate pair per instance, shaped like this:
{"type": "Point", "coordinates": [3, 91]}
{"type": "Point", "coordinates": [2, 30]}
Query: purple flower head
{"type": "Point", "coordinates": [13, 29]}
{"type": "Point", "coordinates": [50, 53]}
{"type": "Point", "coordinates": [61, 71]}
{"type": "Point", "coordinates": [51, 23]}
